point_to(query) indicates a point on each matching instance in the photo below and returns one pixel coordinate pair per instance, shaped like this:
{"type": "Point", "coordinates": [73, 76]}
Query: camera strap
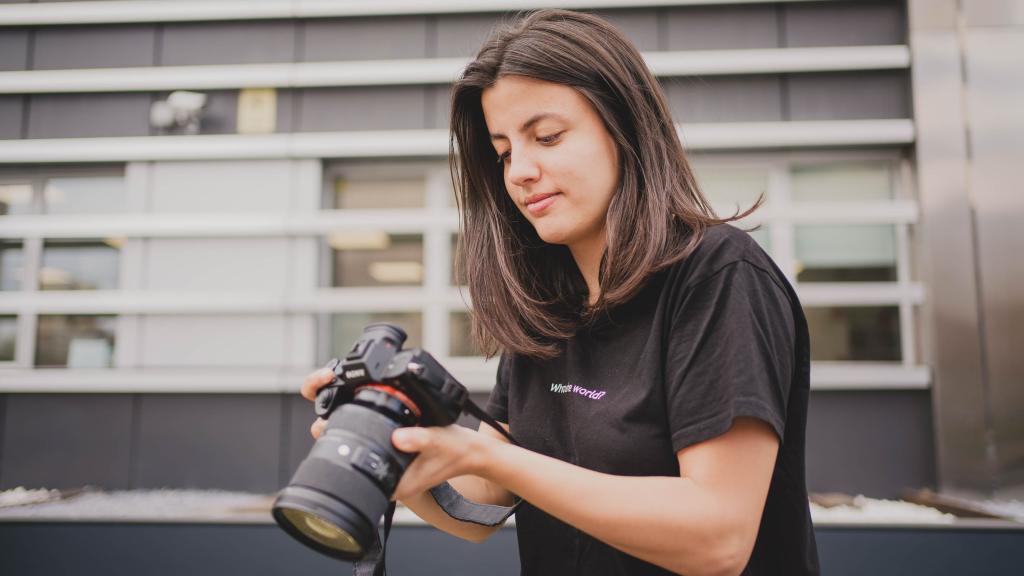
{"type": "Point", "coordinates": [449, 499]}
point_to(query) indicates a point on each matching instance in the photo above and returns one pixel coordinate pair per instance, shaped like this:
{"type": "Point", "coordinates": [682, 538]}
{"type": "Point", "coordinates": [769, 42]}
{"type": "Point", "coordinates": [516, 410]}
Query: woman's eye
{"type": "Point", "coordinates": [549, 139]}
{"type": "Point", "coordinates": [503, 156]}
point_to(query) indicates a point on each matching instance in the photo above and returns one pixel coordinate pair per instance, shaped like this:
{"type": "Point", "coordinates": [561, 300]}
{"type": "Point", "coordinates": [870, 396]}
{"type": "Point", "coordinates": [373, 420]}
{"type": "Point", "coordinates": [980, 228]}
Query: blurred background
{"type": "Point", "coordinates": [201, 202]}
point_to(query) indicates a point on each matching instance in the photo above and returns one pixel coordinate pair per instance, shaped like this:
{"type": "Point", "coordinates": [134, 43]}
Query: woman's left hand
{"type": "Point", "coordinates": [444, 452]}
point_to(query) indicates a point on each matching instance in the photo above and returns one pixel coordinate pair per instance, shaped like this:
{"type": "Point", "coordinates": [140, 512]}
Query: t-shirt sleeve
{"type": "Point", "coordinates": [497, 404]}
{"type": "Point", "coordinates": [730, 353]}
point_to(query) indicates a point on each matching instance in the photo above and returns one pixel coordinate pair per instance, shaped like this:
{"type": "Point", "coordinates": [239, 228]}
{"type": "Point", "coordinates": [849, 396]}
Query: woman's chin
{"type": "Point", "coordinates": [552, 236]}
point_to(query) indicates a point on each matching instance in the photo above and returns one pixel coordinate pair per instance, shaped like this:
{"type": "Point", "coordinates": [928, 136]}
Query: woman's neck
{"type": "Point", "coordinates": [588, 259]}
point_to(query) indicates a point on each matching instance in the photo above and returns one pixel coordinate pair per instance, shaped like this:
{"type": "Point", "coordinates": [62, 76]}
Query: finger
{"type": "Point", "coordinates": [315, 381]}
{"type": "Point", "coordinates": [318, 427]}
{"type": "Point", "coordinates": [411, 439]}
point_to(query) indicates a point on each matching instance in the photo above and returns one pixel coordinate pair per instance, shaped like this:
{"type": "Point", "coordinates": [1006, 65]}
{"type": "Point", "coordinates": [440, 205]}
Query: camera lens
{"type": "Point", "coordinates": [341, 490]}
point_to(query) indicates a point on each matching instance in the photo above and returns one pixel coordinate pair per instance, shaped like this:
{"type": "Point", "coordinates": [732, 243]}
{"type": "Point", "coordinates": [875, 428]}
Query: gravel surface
{"type": "Point", "coordinates": [159, 505]}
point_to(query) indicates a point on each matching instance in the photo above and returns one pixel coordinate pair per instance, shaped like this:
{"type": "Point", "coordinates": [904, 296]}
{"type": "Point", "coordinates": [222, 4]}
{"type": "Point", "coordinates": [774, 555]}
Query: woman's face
{"type": "Point", "coordinates": [560, 163]}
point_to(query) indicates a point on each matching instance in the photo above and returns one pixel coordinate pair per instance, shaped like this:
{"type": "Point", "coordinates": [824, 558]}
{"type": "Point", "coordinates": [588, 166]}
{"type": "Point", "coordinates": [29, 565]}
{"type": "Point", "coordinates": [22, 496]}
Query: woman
{"type": "Point", "coordinates": [654, 361]}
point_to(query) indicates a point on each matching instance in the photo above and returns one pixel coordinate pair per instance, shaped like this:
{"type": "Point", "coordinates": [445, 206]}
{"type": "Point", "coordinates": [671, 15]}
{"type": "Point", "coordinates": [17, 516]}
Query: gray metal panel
{"type": "Point", "coordinates": [207, 187]}
{"type": "Point", "coordinates": [462, 34]}
{"type": "Point", "coordinates": [295, 436]}
{"type": "Point", "coordinates": [12, 110]}
{"type": "Point", "coordinates": [993, 12]}
{"type": "Point", "coordinates": [438, 106]}
{"type": "Point", "coordinates": [722, 27]}
{"type": "Point", "coordinates": [88, 115]}
{"type": "Point", "coordinates": [724, 98]}
{"type": "Point", "coordinates": [234, 265]}
{"type": "Point", "coordinates": [67, 440]}
{"type": "Point", "coordinates": [221, 113]}
{"type": "Point", "coordinates": [214, 341]}
{"type": "Point", "coordinates": [370, 108]}
{"type": "Point", "coordinates": [932, 14]}
{"type": "Point", "coordinates": [13, 49]}
{"type": "Point", "coordinates": [287, 110]}
{"type": "Point", "coordinates": [994, 91]}
{"type": "Point", "coordinates": [848, 96]}
{"type": "Point", "coordinates": [365, 38]}
{"type": "Point", "coordinates": [218, 441]}
{"type": "Point", "coordinates": [875, 443]}
{"type": "Point", "coordinates": [641, 26]}
{"type": "Point", "coordinates": [950, 320]}
{"type": "Point", "coordinates": [843, 23]}
{"type": "Point", "coordinates": [227, 43]}
{"type": "Point", "coordinates": [62, 47]}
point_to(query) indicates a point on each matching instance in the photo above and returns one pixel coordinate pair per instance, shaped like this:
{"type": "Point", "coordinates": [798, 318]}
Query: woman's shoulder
{"type": "Point", "coordinates": [720, 247]}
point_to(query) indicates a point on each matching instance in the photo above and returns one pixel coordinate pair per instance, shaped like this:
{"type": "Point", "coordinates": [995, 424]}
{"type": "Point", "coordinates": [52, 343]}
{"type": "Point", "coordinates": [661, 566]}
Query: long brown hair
{"type": "Point", "coordinates": [529, 296]}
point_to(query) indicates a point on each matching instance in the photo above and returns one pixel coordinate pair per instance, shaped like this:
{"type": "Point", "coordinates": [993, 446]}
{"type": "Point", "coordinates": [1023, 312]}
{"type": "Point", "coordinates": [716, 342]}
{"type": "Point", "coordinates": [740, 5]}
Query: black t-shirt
{"type": "Point", "coordinates": [718, 335]}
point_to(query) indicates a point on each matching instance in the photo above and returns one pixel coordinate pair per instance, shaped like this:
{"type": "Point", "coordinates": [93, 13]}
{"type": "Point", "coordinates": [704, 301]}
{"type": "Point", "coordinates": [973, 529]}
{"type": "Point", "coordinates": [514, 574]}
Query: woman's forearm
{"type": "Point", "coordinates": [668, 521]}
{"type": "Point", "coordinates": [472, 488]}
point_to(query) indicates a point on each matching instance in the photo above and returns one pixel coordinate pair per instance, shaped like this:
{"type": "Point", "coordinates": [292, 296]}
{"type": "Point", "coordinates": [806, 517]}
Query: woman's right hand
{"type": "Point", "coordinates": [313, 383]}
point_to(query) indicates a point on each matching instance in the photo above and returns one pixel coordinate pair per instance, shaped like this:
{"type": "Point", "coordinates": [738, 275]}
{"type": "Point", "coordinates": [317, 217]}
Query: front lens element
{"type": "Point", "coordinates": [322, 531]}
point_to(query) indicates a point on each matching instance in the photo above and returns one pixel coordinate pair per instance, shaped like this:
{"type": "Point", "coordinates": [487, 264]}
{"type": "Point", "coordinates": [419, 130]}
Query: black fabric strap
{"type": "Point", "coordinates": [373, 563]}
{"type": "Point", "coordinates": [453, 503]}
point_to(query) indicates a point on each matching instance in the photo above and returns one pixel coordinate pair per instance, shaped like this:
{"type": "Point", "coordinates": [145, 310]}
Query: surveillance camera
{"type": "Point", "coordinates": [185, 101]}
{"type": "Point", "coordinates": [161, 115]}
{"type": "Point", "coordinates": [182, 110]}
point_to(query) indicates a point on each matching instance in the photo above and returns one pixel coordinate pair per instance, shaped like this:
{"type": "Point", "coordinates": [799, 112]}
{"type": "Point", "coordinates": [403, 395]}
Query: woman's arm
{"type": "Point", "coordinates": [703, 522]}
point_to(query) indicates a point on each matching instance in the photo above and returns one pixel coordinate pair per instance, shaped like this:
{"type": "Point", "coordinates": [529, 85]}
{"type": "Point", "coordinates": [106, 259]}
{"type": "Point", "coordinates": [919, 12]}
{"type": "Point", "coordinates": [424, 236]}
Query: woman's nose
{"type": "Point", "coordinates": [522, 169]}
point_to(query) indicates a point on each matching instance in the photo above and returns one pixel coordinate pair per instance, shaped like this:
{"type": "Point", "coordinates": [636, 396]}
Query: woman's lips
{"type": "Point", "coordinates": [542, 204]}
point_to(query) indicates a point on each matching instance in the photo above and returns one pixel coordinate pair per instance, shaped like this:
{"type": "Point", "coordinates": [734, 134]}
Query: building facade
{"type": "Point", "coordinates": [164, 289]}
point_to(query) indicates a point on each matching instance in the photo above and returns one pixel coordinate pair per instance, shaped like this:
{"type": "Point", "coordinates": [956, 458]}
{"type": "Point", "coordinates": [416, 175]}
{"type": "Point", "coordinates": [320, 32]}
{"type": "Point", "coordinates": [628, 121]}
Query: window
{"type": "Point", "coordinates": [8, 337]}
{"type": "Point", "coordinates": [52, 332]}
{"type": "Point", "coordinates": [12, 265]}
{"type": "Point", "coordinates": [854, 333]}
{"type": "Point", "coordinates": [75, 341]}
{"type": "Point", "coordinates": [88, 195]}
{"type": "Point", "coordinates": [839, 225]}
{"type": "Point", "coordinates": [16, 198]}
{"type": "Point", "coordinates": [79, 265]}
{"type": "Point", "coordinates": [376, 258]}
{"type": "Point", "coordinates": [382, 251]}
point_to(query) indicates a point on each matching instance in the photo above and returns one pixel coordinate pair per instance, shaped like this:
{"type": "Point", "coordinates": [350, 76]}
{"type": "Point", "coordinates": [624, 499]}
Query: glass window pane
{"type": "Point", "coordinates": [728, 186]}
{"type": "Point", "coordinates": [75, 341]}
{"type": "Point", "coordinates": [842, 182]}
{"type": "Point", "coordinates": [849, 253]}
{"type": "Point", "coordinates": [460, 342]}
{"type": "Point", "coordinates": [85, 195]}
{"type": "Point", "coordinates": [79, 265]}
{"type": "Point", "coordinates": [16, 199]}
{"type": "Point", "coordinates": [8, 337]}
{"type": "Point", "coordinates": [377, 259]}
{"type": "Point", "coordinates": [12, 263]}
{"type": "Point", "coordinates": [853, 333]}
{"type": "Point", "coordinates": [347, 327]}
{"type": "Point", "coordinates": [378, 194]}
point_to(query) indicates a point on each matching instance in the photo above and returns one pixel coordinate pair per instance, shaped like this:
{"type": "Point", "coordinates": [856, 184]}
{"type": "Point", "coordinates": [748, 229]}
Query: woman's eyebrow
{"type": "Point", "coordinates": [526, 125]}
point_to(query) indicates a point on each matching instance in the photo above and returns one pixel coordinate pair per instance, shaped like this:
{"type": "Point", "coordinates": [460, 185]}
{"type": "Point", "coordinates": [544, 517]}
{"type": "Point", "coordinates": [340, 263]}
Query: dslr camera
{"type": "Point", "coordinates": [340, 492]}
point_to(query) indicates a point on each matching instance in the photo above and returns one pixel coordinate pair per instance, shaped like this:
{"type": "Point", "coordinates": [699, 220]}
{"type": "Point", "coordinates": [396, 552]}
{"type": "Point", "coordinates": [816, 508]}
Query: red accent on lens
{"type": "Point", "coordinates": [397, 394]}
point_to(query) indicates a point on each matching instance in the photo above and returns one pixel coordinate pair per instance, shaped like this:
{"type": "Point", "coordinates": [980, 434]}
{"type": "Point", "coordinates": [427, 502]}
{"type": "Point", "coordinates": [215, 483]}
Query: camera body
{"type": "Point", "coordinates": [340, 492]}
{"type": "Point", "coordinates": [438, 398]}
